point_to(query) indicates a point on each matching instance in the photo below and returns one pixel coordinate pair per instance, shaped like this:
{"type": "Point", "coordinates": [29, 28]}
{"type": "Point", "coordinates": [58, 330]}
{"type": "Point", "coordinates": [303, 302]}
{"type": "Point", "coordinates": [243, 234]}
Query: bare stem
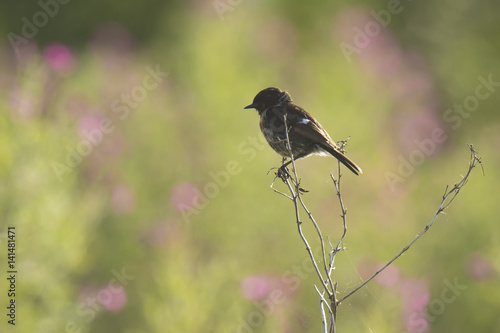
{"type": "Point", "coordinates": [329, 287]}
{"type": "Point", "coordinates": [296, 198]}
{"type": "Point", "coordinates": [448, 197]}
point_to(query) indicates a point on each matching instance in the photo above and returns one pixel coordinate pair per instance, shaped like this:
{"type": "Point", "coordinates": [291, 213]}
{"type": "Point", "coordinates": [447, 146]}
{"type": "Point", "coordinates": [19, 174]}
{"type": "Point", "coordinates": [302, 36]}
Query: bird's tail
{"type": "Point", "coordinates": [335, 152]}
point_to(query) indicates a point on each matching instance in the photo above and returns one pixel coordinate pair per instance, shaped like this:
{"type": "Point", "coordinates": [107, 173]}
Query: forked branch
{"type": "Point", "coordinates": [448, 197]}
{"type": "Point", "coordinates": [328, 301]}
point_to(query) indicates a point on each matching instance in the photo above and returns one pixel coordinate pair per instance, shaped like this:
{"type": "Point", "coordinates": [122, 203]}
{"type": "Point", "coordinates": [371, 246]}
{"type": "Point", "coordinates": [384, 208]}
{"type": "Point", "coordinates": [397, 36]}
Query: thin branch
{"type": "Point", "coordinates": [448, 198]}
{"type": "Point", "coordinates": [295, 196]}
{"type": "Point", "coordinates": [329, 286]}
{"type": "Point", "coordinates": [324, 302]}
{"type": "Point", "coordinates": [343, 215]}
{"type": "Point", "coordinates": [333, 298]}
{"type": "Point", "coordinates": [320, 236]}
{"type": "Point", "coordinates": [275, 190]}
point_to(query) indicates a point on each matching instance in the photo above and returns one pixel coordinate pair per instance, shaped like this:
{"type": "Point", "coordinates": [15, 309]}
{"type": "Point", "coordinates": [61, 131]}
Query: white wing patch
{"type": "Point", "coordinates": [304, 121]}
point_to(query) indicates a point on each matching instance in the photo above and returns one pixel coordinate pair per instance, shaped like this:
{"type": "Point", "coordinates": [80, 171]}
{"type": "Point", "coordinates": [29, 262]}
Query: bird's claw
{"type": "Point", "coordinates": [283, 173]}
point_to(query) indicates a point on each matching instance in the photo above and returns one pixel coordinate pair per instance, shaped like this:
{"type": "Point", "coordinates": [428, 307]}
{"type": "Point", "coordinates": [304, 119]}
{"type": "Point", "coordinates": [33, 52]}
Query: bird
{"type": "Point", "coordinates": [305, 133]}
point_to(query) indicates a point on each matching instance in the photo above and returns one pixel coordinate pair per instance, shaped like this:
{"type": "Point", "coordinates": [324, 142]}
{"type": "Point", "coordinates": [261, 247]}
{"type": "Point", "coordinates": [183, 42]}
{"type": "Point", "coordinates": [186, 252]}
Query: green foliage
{"type": "Point", "coordinates": [108, 236]}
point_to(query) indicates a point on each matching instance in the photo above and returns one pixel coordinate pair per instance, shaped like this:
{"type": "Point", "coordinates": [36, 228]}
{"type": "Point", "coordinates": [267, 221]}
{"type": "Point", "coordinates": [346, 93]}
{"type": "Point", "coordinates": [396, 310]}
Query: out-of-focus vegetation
{"type": "Point", "coordinates": [137, 183]}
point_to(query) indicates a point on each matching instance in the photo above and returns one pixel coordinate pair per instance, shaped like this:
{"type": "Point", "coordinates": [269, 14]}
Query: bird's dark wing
{"type": "Point", "coordinates": [303, 124]}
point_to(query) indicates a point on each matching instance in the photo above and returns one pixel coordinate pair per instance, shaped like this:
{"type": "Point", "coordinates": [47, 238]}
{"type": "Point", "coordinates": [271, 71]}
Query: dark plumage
{"type": "Point", "coordinates": [305, 133]}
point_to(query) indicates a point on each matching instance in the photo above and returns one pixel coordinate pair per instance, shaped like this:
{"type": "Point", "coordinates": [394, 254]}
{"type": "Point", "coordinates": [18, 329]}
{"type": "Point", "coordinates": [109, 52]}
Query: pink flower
{"type": "Point", "coordinates": [113, 299]}
{"type": "Point", "coordinates": [389, 277]}
{"type": "Point", "coordinates": [256, 287]}
{"type": "Point", "coordinates": [184, 196]}
{"type": "Point", "coordinates": [89, 124]}
{"type": "Point", "coordinates": [417, 132]}
{"type": "Point", "coordinates": [378, 50]}
{"type": "Point", "coordinates": [24, 105]}
{"type": "Point", "coordinates": [59, 57]}
{"type": "Point", "coordinates": [122, 199]}
{"type": "Point", "coordinates": [415, 297]}
{"type": "Point", "coordinates": [259, 287]}
{"type": "Point", "coordinates": [479, 268]}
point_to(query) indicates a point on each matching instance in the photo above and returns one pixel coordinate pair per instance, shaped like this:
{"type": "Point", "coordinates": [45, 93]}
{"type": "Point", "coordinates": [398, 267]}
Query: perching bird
{"type": "Point", "coordinates": [305, 133]}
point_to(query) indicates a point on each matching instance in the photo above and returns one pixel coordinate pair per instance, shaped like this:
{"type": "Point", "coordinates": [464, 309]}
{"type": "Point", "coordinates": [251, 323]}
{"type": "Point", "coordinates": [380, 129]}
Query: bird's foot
{"type": "Point", "coordinates": [283, 173]}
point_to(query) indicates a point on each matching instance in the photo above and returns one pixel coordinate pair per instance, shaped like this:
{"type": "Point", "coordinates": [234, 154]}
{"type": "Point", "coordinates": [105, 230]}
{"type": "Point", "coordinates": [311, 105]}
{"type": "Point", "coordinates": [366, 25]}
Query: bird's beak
{"type": "Point", "coordinates": [251, 106]}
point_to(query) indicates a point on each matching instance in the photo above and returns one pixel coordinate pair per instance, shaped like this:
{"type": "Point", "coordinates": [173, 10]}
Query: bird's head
{"type": "Point", "coordinates": [268, 98]}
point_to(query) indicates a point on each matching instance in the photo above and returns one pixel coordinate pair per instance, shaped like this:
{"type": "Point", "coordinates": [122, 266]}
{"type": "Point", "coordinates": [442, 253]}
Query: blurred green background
{"type": "Point", "coordinates": [137, 183]}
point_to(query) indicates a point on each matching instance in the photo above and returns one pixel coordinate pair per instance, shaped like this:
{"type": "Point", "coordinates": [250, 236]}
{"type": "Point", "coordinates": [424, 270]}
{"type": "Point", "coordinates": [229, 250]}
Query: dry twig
{"type": "Point", "coordinates": [329, 287]}
{"type": "Point", "coordinates": [448, 197]}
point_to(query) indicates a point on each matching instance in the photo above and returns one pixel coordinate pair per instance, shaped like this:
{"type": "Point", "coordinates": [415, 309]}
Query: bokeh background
{"type": "Point", "coordinates": [137, 183]}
